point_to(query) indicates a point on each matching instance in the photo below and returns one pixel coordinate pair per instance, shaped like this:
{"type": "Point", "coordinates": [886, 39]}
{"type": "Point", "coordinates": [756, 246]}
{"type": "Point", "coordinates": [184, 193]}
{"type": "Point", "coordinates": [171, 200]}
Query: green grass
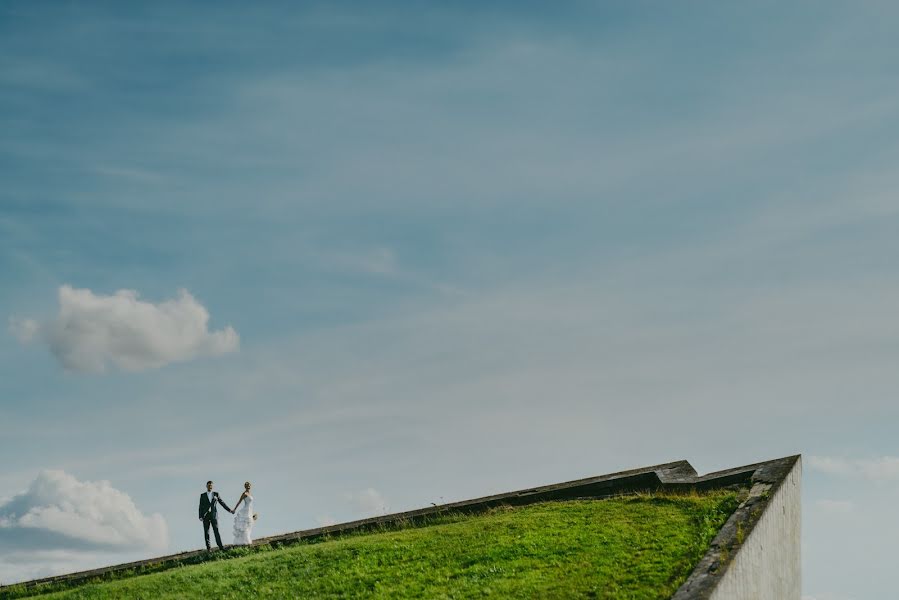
{"type": "Point", "coordinates": [630, 547]}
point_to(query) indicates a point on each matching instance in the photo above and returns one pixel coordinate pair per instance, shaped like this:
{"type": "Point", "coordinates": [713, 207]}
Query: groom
{"type": "Point", "coordinates": [209, 516]}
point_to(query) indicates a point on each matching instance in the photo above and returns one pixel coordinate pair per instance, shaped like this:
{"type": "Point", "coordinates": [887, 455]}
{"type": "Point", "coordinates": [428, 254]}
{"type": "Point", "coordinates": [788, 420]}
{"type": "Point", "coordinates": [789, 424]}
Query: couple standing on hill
{"type": "Point", "coordinates": [243, 516]}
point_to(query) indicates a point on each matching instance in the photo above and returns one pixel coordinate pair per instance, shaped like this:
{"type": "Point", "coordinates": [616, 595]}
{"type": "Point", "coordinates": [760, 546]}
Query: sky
{"type": "Point", "coordinates": [375, 255]}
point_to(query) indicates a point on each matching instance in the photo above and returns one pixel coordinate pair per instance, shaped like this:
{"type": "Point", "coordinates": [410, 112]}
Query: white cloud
{"type": "Point", "coordinates": [882, 468]}
{"type": "Point", "coordinates": [368, 502]}
{"type": "Point", "coordinates": [59, 512]}
{"type": "Point", "coordinates": [92, 331]}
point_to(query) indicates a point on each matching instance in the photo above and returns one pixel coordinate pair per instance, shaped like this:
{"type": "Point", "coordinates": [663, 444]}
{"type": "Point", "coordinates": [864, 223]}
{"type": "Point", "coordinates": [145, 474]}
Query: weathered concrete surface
{"type": "Point", "coordinates": [767, 563]}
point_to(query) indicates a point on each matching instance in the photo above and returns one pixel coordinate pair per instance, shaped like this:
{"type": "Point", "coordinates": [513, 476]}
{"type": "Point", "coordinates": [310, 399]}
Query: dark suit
{"type": "Point", "coordinates": [210, 517]}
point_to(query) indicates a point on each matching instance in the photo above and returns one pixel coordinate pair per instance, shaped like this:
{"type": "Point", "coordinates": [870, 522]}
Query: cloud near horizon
{"type": "Point", "coordinates": [93, 331]}
{"type": "Point", "coordinates": [58, 512]}
{"type": "Point", "coordinates": [368, 502]}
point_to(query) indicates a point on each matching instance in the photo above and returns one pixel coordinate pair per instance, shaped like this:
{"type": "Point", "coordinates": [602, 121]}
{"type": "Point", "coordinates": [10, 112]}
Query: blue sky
{"type": "Point", "coordinates": [465, 248]}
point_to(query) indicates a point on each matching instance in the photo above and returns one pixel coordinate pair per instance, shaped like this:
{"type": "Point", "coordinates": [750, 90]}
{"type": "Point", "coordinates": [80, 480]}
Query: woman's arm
{"type": "Point", "coordinates": [242, 496]}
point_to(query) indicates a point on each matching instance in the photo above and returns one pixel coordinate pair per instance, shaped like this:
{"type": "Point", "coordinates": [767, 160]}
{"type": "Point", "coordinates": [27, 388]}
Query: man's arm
{"type": "Point", "coordinates": [200, 510]}
{"type": "Point", "coordinates": [222, 502]}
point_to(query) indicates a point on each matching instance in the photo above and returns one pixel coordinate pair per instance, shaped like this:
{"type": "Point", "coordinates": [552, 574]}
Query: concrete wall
{"type": "Point", "coordinates": [767, 566]}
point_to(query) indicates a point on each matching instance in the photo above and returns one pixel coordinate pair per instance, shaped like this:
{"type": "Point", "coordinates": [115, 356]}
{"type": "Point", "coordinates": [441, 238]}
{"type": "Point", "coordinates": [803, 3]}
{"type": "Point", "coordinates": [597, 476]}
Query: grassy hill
{"type": "Point", "coordinates": [627, 547]}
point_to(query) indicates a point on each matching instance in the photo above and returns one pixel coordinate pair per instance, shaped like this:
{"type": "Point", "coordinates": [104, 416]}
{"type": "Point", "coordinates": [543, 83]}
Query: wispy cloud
{"type": "Point", "coordinates": [23, 330]}
{"type": "Point", "coordinates": [377, 261]}
{"type": "Point", "coordinates": [835, 506]}
{"type": "Point", "coordinates": [880, 469]}
{"type": "Point", "coordinates": [136, 174]}
{"type": "Point", "coordinates": [368, 502]}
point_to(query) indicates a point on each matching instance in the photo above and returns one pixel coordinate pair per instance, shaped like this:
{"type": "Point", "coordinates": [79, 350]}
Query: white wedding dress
{"type": "Point", "coordinates": [243, 523]}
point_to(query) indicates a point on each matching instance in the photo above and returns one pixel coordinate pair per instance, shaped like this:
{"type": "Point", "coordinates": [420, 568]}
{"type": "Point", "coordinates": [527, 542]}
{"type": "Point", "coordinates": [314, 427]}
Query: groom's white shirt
{"type": "Point", "coordinates": [209, 495]}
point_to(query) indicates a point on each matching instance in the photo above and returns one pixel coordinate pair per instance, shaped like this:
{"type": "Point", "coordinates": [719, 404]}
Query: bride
{"type": "Point", "coordinates": [243, 518]}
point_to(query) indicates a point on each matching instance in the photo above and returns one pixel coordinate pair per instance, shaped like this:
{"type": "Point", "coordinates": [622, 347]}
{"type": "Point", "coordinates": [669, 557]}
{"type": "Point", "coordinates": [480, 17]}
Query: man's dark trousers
{"type": "Point", "coordinates": [207, 521]}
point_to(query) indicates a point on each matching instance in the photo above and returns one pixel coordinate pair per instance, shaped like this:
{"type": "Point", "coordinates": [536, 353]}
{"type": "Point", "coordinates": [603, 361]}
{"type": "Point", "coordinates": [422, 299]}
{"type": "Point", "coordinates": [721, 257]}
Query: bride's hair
{"type": "Point", "coordinates": [246, 484]}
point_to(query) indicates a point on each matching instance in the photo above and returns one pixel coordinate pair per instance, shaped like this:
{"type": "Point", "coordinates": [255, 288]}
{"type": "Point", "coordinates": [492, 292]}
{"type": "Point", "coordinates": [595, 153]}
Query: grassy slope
{"type": "Point", "coordinates": [637, 547]}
